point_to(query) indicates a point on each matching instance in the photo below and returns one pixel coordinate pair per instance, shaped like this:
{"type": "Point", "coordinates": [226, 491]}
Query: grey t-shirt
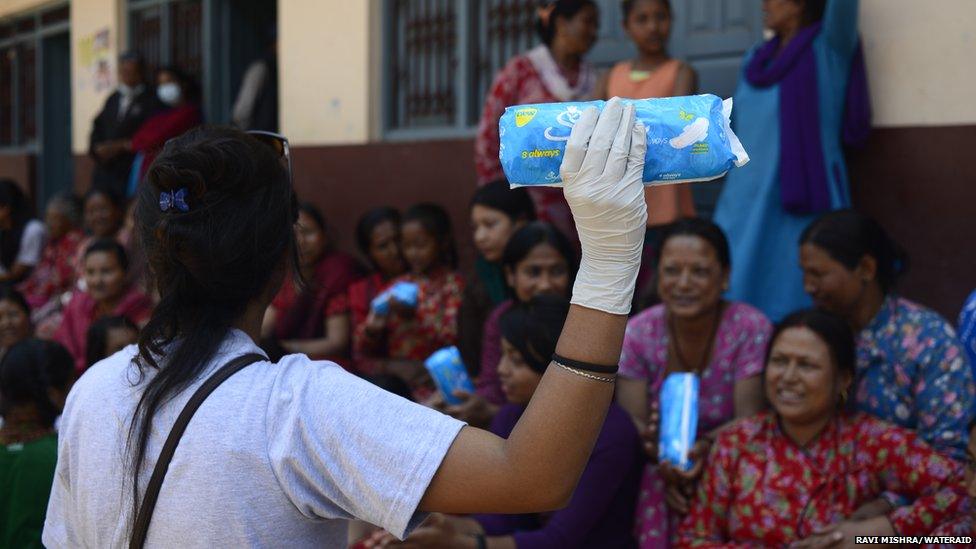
{"type": "Point", "coordinates": [280, 455]}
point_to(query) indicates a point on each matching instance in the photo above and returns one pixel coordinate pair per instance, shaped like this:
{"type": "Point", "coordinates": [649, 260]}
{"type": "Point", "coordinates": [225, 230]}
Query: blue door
{"type": "Point", "coordinates": [55, 166]}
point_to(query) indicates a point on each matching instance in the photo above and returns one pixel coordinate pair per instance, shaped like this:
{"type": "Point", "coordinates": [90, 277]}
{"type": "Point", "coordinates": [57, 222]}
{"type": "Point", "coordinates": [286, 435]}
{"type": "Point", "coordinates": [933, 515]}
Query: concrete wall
{"type": "Point", "coordinates": [324, 70]}
{"type": "Point", "coordinates": [88, 18]}
{"type": "Point", "coordinates": [15, 7]}
{"type": "Point", "coordinates": [920, 61]}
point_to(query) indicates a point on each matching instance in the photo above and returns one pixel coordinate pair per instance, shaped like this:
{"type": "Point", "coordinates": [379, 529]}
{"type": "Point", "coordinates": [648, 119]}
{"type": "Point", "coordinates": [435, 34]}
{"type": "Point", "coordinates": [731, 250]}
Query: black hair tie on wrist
{"type": "Point", "coordinates": [585, 366]}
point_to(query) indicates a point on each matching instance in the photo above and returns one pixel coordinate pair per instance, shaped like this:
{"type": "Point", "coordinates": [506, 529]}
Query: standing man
{"type": "Point", "coordinates": [124, 111]}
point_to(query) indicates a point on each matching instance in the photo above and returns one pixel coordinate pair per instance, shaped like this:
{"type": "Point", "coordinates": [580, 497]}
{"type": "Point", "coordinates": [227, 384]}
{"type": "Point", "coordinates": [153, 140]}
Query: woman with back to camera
{"type": "Point", "coordinates": [283, 454]}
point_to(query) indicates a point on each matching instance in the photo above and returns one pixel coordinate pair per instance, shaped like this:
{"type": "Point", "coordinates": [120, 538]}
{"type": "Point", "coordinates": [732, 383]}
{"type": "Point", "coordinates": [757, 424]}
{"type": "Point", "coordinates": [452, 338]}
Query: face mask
{"type": "Point", "coordinates": [169, 93]}
{"type": "Point", "coordinates": [127, 90]}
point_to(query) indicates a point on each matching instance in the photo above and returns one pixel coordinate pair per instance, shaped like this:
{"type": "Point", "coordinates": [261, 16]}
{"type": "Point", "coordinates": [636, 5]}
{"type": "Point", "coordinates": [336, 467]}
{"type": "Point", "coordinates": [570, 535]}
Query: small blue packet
{"type": "Point", "coordinates": [679, 419]}
{"type": "Point", "coordinates": [404, 292]}
{"type": "Point", "coordinates": [689, 138]}
{"type": "Point", "coordinates": [449, 374]}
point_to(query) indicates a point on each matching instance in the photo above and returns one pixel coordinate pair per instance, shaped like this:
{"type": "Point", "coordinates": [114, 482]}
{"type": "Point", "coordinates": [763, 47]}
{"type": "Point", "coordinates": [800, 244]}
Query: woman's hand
{"type": "Point", "coordinates": [602, 184]}
{"type": "Point", "coordinates": [681, 485]}
{"type": "Point", "coordinates": [843, 534]}
{"type": "Point", "coordinates": [437, 532]}
{"type": "Point", "coordinates": [473, 410]}
{"type": "Point", "coordinates": [872, 509]}
{"type": "Point", "coordinates": [375, 324]}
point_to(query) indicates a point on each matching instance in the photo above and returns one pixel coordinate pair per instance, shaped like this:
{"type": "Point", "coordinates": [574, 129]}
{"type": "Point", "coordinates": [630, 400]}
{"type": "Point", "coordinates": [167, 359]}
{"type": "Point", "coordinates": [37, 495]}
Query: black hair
{"type": "Point", "coordinates": [833, 330]}
{"type": "Point", "coordinates": [207, 263]}
{"type": "Point", "coordinates": [28, 370]}
{"type": "Point", "coordinates": [702, 228]}
{"type": "Point", "coordinates": [134, 56]}
{"type": "Point", "coordinates": [847, 236]}
{"type": "Point", "coordinates": [368, 222]}
{"type": "Point", "coordinates": [308, 209]}
{"type": "Point", "coordinates": [188, 84]}
{"type": "Point", "coordinates": [9, 293]}
{"type": "Point", "coordinates": [567, 9]}
{"type": "Point", "coordinates": [13, 197]}
{"type": "Point", "coordinates": [111, 246]}
{"type": "Point", "coordinates": [627, 6]}
{"type": "Point", "coordinates": [434, 219]}
{"type": "Point", "coordinates": [515, 203]}
{"type": "Point", "coordinates": [533, 328]}
{"type": "Point", "coordinates": [524, 240]}
{"type": "Point", "coordinates": [97, 336]}
{"type": "Point", "coordinates": [813, 10]}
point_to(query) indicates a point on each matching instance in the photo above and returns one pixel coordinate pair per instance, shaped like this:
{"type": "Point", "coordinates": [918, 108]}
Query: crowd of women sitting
{"type": "Point", "coordinates": [852, 418]}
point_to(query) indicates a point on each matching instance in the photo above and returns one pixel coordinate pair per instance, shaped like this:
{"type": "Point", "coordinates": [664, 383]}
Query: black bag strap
{"type": "Point", "coordinates": [148, 504]}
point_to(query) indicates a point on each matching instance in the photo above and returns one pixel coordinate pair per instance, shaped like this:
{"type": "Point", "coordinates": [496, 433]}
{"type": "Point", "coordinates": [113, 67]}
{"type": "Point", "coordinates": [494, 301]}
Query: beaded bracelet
{"type": "Point", "coordinates": [581, 373]}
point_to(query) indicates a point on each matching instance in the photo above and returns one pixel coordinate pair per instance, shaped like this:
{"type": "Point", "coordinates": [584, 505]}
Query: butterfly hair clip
{"type": "Point", "coordinates": [173, 199]}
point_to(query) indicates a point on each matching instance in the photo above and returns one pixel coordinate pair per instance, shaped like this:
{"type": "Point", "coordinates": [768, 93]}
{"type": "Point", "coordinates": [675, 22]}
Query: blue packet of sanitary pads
{"type": "Point", "coordinates": [688, 139]}
{"type": "Point", "coordinates": [449, 374]}
{"type": "Point", "coordinates": [679, 419]}
{"type": "Point", "coordinates": [404, 292]}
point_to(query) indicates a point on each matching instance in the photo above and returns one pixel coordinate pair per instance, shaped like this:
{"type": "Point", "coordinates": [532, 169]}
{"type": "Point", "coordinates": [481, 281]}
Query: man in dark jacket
{"type": "Point", "coordinates": [124, 111]}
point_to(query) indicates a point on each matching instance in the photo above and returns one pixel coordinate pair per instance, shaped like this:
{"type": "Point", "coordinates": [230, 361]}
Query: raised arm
{"type": "Point", "coordinates": [538, 466]}
{"type": "Point", "coordinates": [840, 25]}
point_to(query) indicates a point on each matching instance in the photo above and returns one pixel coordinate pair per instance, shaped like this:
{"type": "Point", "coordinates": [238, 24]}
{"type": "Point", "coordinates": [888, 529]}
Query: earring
{"type": "Point", "coordinates": [843, 397]}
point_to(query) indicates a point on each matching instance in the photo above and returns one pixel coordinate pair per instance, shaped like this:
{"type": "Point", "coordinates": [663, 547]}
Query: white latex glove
{"type": "Point", "coordinates": [601, 174]}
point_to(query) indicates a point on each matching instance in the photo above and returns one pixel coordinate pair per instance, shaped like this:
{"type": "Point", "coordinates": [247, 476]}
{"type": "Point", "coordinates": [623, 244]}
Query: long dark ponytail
{"type": "Point", "coordinates": [209, 262]}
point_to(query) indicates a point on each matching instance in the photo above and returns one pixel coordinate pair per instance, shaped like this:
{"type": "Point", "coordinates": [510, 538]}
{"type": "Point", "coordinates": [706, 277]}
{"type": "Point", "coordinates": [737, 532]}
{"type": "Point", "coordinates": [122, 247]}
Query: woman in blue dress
{"type": "Point", "coordinates": [800, 94]}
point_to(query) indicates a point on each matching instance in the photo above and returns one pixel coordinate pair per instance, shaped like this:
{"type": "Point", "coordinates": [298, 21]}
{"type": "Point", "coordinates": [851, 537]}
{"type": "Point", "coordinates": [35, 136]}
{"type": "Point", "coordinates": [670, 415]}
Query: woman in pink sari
{"type": "Point", "coordinates": [552, 72]}
{"type": "Point", "coordinates": [107, 293]}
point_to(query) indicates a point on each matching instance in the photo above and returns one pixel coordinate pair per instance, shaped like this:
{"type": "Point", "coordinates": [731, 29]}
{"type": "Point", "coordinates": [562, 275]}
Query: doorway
{"type": "Point", "coordinates": [55, 165]}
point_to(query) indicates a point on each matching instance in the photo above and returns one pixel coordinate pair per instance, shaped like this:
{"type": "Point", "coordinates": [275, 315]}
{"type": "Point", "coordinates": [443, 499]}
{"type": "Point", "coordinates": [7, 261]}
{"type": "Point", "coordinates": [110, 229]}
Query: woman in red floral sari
{"type": "Point", "coordinates": [552, 72]}
{"type": "Point", "coordinates": [797, 474]}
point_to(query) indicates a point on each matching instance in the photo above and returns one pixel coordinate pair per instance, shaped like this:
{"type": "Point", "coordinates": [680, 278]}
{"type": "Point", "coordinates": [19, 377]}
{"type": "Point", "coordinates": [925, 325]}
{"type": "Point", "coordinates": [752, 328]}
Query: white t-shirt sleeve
{"type": "Point", "coordinates": [344, 448]}
{"type": "Point", "coordinates": [31, 243]}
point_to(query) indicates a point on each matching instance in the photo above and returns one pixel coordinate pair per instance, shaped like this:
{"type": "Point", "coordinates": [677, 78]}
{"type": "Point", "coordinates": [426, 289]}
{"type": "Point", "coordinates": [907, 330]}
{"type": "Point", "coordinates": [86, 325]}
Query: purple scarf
{"type": "Point", "coordinates": [803, 174]}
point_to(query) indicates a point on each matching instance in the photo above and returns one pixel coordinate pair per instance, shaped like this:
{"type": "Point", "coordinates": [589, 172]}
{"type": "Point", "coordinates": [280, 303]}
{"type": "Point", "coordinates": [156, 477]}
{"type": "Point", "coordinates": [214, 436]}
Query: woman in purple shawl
{"type": "Point", "coordinates": [802, 96]}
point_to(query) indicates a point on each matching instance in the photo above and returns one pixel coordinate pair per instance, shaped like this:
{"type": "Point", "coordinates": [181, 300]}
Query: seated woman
{"type": "Point", "coordinates": [15, 318]}
{"type": "Point", "coordinates": [378, 239]}
{"type": "Point", "coordinates": [103, 212]}
{"type": "Point", "coordinates": [35, 377]}
{"type": "Point", "coordinates": [692, 330]}
{"type": "Point", "coordinates": [600, 513]}
{"type": "Point", "coordinates": [55, 274]}
{"type": "Point", "coordinates": [313, 321]}
{"type": "Point", "coordinates": [108, 335]}
{"type": "Point", "coordinates": [911, 369]}
{"type": "Point", "coordinates": [799, 471]}
{"type": "Point", "coordinates": [497, 211]}
{"type": "Point", "coordinates": [21, 237]}
{"type": "Point", "coordinates": [107, 293]}
{"type": "Point", "coordinates": [964, 523]}
{"type": "Point", "coordinates": [405, 336]}
{"type": "Point", "coordinates": [538, 259]}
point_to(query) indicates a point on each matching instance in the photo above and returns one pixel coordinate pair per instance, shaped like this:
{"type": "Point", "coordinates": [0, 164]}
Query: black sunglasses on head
{"type": "Point", "coordinates": [278, 143]}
